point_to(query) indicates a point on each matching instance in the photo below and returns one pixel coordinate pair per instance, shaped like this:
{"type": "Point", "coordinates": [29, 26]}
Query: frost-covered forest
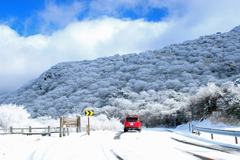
{"type": "Point", "coordinates": [16, 116]}
{"type": "Point", "coordinates": [200, 75]}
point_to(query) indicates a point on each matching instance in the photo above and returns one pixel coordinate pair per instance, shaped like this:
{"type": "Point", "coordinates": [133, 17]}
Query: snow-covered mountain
{"type": "Point", "coordinates": [69, 87]}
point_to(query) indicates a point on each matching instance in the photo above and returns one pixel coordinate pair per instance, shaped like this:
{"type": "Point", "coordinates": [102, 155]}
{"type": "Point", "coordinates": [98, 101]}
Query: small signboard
{"type": "Point", "coordinates": [89, 113]}
{"type": "Point", "coordinates": [69, 122]}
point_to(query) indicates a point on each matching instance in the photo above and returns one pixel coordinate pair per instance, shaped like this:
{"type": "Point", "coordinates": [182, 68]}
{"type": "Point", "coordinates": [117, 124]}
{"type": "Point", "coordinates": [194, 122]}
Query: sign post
{"type": "Point", "coordinates": [189, 114]}
{"type": "Point", "coordinates": [89, 113]}
{"type": "Point", "coordinates": [174, 115]}
{"type": "Point", "coordinates": [88, 126]}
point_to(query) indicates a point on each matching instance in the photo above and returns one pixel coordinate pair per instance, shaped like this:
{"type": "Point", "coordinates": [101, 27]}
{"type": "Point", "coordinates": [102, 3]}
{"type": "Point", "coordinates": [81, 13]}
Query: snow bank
{"type": "Point", "coordinates": [207, 124]}
{"type": "Point", "coordinates": [228, 141]}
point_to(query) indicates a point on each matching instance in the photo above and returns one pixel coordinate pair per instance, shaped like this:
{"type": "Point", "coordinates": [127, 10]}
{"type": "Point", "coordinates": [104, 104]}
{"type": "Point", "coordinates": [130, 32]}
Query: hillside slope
{"type": "Point", "coordinates": [69, 87]}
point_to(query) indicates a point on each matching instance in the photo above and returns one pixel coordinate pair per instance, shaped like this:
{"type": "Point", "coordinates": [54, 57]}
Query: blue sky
{"type": "Point", "coordinates": [16, 12]}
{"type": "Point", "coordinates": [37, 34]}
{"type": "Point", "coordinates": [26, 17]}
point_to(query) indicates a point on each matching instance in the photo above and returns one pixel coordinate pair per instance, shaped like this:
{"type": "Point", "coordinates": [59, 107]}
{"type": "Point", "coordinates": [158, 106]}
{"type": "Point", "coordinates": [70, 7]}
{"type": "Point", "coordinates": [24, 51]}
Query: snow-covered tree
{"type": "Point", "coordinates": [13, 115]}
{"type": "Point", "coordinates": [184, 68]}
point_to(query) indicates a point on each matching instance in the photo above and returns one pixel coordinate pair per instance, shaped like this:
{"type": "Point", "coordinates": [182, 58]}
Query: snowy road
{"type": "Point", "coordinates": [108, 145]}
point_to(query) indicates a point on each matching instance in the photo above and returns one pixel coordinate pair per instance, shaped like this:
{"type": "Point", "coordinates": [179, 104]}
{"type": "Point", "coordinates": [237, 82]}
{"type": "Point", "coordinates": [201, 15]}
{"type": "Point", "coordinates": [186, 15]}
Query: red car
{"type": "Point", "coordinates": [132, 123]}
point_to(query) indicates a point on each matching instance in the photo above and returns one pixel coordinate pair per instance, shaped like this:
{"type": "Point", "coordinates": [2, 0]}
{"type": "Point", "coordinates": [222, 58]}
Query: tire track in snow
{"type": "Point", "coordinates": [196, 155]}
{"type": "Point", "coordinates": [42, 151]}
{"type": "Point", "coordinates": [118, 157]}
{"type": "Point", "coordinates": [221, 149]}
{"type": "Point", "coordinates": [128, 154]}
{"type": "Point", "coordinates": [49, 149]}
{"type": "Point", "coordinates": [104, 152]}
{"type": "Point", "coordinates": [111, 152]}
{"type": "Point", "coordinates": [118, 136]}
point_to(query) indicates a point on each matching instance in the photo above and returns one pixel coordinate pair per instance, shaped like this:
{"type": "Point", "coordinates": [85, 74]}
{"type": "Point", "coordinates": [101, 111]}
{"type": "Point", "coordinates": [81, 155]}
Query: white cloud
{"type": "Point", "coordinates": [24, 58]}
{"type": "Point", "coordinates": [58, 16]}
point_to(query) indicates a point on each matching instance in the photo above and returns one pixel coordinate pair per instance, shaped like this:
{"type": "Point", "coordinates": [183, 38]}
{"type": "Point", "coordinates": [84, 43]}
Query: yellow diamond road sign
{"type": "Point", "coordinates": [89, 113]}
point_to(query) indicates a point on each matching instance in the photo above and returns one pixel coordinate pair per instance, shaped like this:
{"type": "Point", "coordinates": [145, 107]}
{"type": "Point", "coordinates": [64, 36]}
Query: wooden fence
{"type": "Point", "coordinates": [65, 125]}
{"type": "Point", "coordinates": [29, 130]}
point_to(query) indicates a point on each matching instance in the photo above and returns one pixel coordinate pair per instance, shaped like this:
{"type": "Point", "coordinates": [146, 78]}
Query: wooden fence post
{"type": "Point", "coordinates": [49, 131]}
{"type": "Point", "coordinates": [68, 131]}
{"type": "Point", "coordinates": [64, 131]}
{"type": "Point", "coordinates": [211, 135]}
{"type": "Point", "coordinates": [236, 141]}
{"type": "Point", "coordinates": [11, 130]}
{"type": "Point", "coordinates": [30, 129]}
{"type": "Point", "coordinates": [79, 124]}
{"type": "Point", "coordinates": [61, 126]}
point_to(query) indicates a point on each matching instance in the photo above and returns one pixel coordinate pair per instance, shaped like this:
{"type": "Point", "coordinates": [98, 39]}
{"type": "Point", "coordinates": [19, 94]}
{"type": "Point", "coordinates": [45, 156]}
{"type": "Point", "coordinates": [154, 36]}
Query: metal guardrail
{"type": "Point", "coordinates": [217, 131]}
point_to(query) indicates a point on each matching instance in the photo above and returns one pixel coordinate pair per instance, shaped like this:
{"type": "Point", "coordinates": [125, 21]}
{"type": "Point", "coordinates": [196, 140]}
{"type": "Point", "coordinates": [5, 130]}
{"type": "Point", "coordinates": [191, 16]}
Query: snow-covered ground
{"type": "Point", "coordinates": [151, 143]}
{"type": "Point", "coordinates": [223, 140]}
{"type": "Point", "coordinates": [99, 145]}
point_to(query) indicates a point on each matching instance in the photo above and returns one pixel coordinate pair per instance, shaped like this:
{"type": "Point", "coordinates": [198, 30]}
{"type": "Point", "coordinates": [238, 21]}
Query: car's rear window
{"type": "Point", "coordinates": [132, 119]}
